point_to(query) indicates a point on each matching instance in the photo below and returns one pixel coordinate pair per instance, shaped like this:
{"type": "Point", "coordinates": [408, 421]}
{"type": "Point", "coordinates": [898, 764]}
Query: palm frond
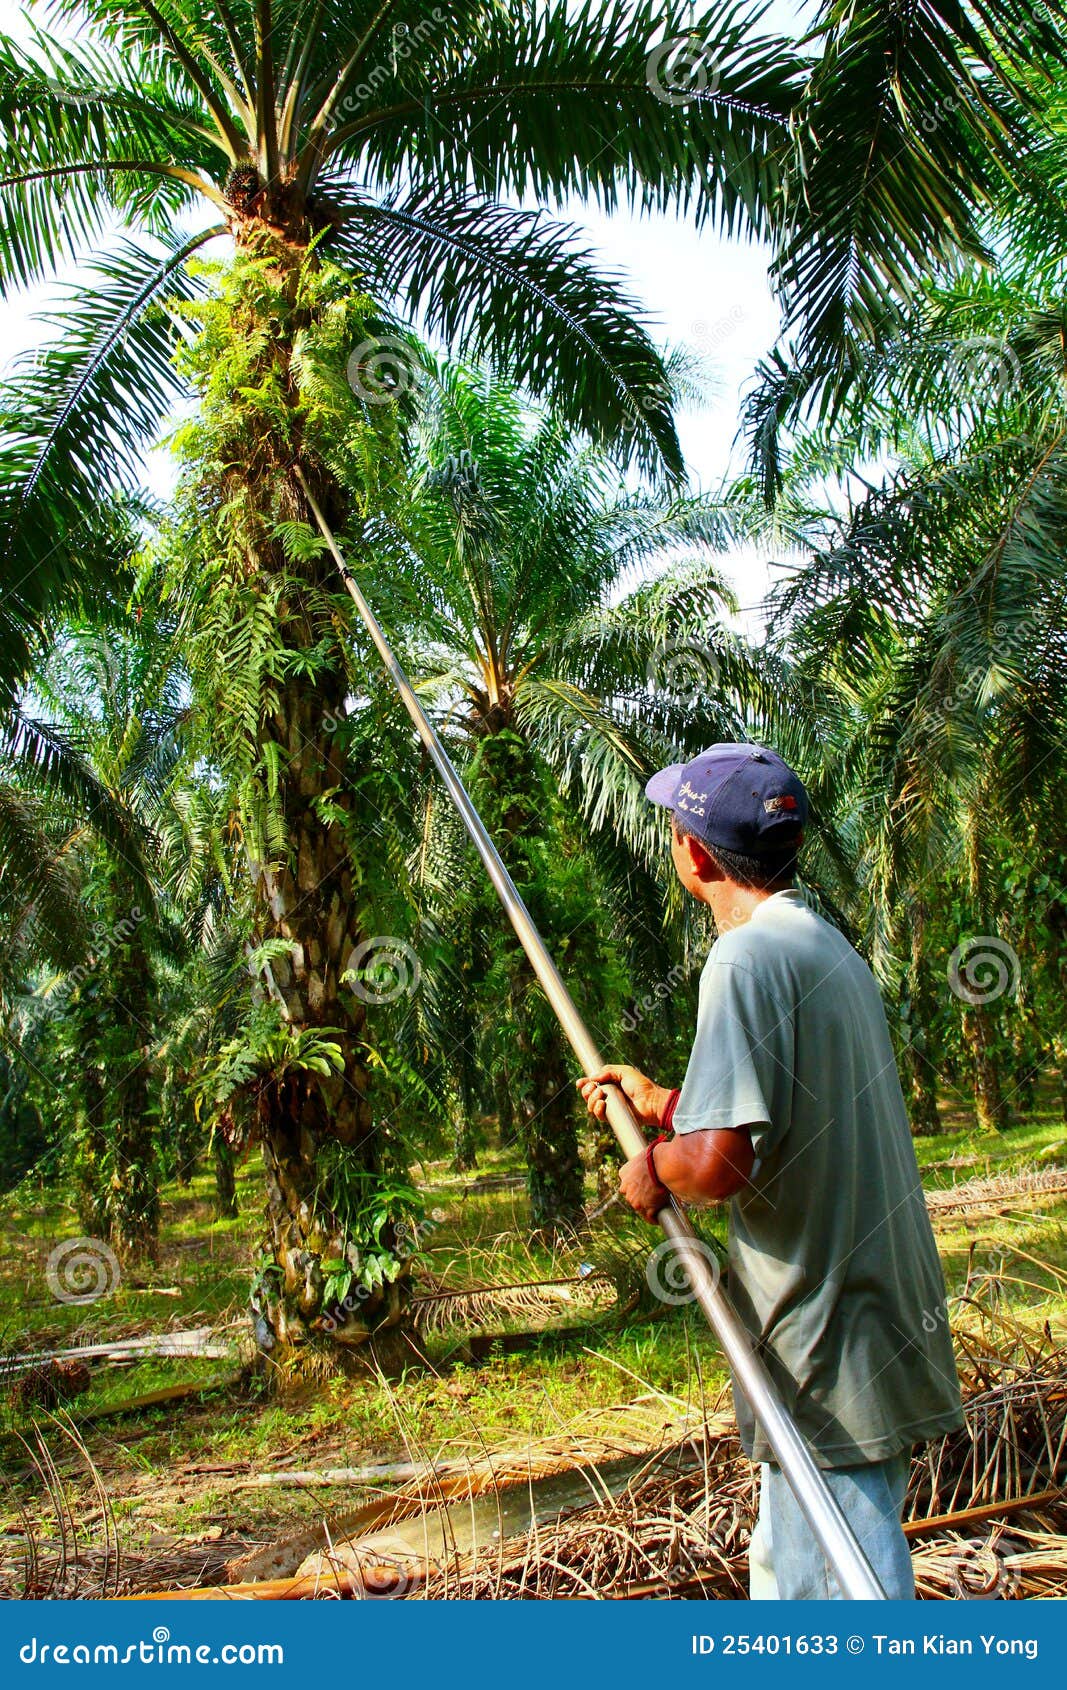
{"type": "Point", "coordinates": [53, 762]}
{"type": "Point", "coordinates": [908, 120]}
{"type": "Point", "coordinates": [86, 137]}
{"type": "Point", "coordinates": [483, 276]}
{"type": "Point", "coordinates": [76, 418]}
{"type": "Point", "coordinates": [557, 99]}
{"type": "Point", "coordinates": [41, 912]}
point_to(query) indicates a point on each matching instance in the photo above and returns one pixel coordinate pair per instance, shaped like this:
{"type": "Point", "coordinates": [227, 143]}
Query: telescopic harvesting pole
{"type": "Point", "coordinates": [849, 1564]}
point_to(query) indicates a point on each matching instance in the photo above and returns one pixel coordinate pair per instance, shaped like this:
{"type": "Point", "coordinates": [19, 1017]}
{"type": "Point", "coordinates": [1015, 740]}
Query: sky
{"type": "Point", "coordinates": [696, 290]}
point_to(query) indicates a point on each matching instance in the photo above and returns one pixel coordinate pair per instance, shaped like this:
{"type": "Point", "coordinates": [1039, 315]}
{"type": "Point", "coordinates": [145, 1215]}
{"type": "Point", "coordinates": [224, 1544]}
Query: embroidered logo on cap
{"type": "Point", "coordinates": [784, 801]}
{"type": "Point", "coordinates": [691, 809]}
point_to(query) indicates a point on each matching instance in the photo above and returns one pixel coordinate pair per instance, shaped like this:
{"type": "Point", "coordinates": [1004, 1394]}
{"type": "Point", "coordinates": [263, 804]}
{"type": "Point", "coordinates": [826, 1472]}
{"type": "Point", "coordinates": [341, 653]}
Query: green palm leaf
{"type": "Point", "coordinates": [554, 99]}
{"type": "Point", "coordinates": [482, 275]}
{"type": "Point", "coordinates": [76, 418]}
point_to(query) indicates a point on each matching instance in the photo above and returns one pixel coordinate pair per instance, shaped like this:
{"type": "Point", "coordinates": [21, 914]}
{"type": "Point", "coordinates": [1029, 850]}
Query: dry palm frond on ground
{"type": "Point", "coordinates": [78, 1557]}
{"type": "Point", "coordinates": [998, 1191]}
{"type": "Point", "coordinates": [985, 1511]}
{"type": "Point", "coordinates": [676, 1525]}
{"type": "Point", "coordinates": [487, 1305]}
{"type": "Point", "coordinates": [688, 1533]}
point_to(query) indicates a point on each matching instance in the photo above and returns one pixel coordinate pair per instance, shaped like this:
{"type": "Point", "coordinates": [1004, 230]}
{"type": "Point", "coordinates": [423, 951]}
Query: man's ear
{"type": "Point", "coordinates": [703, 863]}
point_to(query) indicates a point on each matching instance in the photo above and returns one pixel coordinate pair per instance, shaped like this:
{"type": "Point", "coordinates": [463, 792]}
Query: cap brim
{"type": "Point", "coordinates": [663, 787]}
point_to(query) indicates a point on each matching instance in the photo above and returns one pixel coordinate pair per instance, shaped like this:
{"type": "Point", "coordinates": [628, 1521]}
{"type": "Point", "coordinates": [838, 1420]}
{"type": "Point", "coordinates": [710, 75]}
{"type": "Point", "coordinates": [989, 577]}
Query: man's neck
{"type": "Point", "coordinates": [732, 905]}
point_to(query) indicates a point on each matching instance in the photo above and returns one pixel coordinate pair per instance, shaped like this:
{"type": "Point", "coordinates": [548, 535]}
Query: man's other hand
{"type": "Point", "coordinates": [640, 1190]}
{"type": "Point", "coordinates": [647, 1100]}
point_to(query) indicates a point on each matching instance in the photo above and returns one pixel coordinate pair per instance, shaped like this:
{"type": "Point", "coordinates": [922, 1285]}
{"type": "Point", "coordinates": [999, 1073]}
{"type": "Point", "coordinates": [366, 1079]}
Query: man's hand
{"type": "Point", "coordinates": [644, 1196]}
{"type": "Point", "coordinates": [647, 1100]}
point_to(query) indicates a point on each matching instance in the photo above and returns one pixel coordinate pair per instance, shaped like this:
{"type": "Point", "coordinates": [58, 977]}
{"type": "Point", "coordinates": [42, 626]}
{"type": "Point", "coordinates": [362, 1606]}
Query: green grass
{"type": "Point", "coordinates": [1017, 1259]}
{"type": "Point", "coordinates": [445, 1407]}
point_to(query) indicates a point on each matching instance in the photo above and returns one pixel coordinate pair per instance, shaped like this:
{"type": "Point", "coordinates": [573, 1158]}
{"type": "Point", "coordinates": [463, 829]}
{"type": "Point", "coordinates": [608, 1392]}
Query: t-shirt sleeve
{"type": "Point", "coordinates": [740, 1069]}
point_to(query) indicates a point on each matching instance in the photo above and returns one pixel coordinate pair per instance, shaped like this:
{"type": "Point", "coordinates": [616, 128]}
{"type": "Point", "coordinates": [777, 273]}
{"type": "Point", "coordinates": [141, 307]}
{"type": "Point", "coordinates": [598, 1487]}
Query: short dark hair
{"type": "Point", "coordinates": [772, 872]}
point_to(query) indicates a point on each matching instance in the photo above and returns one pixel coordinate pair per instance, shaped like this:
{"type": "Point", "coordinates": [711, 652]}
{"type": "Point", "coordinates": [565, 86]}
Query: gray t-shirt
{"type": "Point", "coordinates": [833, 1266]}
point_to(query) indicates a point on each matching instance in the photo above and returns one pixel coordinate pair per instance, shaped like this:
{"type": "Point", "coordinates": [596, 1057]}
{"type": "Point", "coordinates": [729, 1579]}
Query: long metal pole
{"type": "Point", "coordinates": [835, 1536]}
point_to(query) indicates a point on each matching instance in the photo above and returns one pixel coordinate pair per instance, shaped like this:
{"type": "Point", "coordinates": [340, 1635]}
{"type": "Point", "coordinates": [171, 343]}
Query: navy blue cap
{"type": "Point", "coordinates": [742, 797]}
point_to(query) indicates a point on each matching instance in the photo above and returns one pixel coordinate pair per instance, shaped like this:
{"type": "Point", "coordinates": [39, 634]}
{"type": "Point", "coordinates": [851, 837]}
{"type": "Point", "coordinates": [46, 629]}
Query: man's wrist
{"type": "Point", "coordinates": [650, 1163]}
{"type": "Point", "coordinates": [667, 1112]}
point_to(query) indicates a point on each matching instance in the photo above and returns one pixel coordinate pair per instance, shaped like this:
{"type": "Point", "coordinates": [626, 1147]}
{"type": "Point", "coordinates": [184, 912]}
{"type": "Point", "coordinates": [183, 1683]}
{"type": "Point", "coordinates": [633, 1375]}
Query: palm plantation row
{"type": "Point", "coordinates": [237, 911]}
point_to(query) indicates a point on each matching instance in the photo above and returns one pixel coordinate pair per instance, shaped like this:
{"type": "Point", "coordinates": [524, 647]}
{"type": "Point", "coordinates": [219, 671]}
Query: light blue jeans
{"type": "Point", "coordinates": [786, 1563]}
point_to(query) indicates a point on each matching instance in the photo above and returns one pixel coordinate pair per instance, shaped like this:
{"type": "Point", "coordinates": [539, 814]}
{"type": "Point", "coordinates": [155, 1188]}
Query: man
{"type": "Point", "coordinates": [792, 1108]}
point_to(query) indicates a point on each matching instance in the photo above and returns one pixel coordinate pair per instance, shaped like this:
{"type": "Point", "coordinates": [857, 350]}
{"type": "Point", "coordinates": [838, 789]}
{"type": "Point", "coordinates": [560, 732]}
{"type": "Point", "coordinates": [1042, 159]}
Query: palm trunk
{"type": "Point", "coordinates": [989, 1104]}
{"type": "Point", "coordinates": [921, 1088]}
{"type": "Point", "coordinates": [464, 1144]}
{"type": "Point", "coordinates": [305, 889]}
{"type": "Point", "coordinates": [134, 1195]}
{"type": "Point", "coordinates": [979, 1027]}
{"type": "Point", "coordinates": [545, 1092]}
{"type": "Point", "coordinates": [90, 1168]}
{"type": "Point", "coordinates": [919, 1071]}
{"type": "Point", "coordinates": [1025, 1073]}
{"type": "Point", "coordinates": [188, 1142]}
{"type": "Point", "coordinates": [225, 1180]}
{"type": "Point", "coordinates": [310, 902]}
{"type": "Point", "coordinates": [505, 1106]}
{"type": "Point", "coordinates": [135, 1201]}
{"type": "Point", "coordinates": [117, 1171]}
{"type": "Point", "coordinates": [550, 1138]}
{"type": "Point", "coordinates": [1028, 1049]}
{"type": "Point", "coordinates": [606, 1159]}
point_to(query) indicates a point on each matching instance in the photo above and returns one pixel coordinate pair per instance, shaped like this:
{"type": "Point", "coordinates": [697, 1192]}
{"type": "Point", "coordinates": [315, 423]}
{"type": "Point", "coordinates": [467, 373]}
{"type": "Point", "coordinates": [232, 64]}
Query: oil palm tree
{"type": "Point", "coordinates": [110, 691]}
{"type": "Point", "coordinates": [934, 611]}
{"type": "Point", "coordinates": [50, 792]}
{"type": "Point", "coordinates": [511, 582]}
{"type": "Point", "coordinates": [367, 147]}
{"type": "Point", "coordinates": [365, 139]}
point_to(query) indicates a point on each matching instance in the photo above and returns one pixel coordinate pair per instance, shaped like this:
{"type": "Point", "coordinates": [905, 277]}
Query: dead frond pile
{"type": "Point", "coordinates": [678, 1533]}
{"type": "Point", "coordinates": [74, 1555]}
